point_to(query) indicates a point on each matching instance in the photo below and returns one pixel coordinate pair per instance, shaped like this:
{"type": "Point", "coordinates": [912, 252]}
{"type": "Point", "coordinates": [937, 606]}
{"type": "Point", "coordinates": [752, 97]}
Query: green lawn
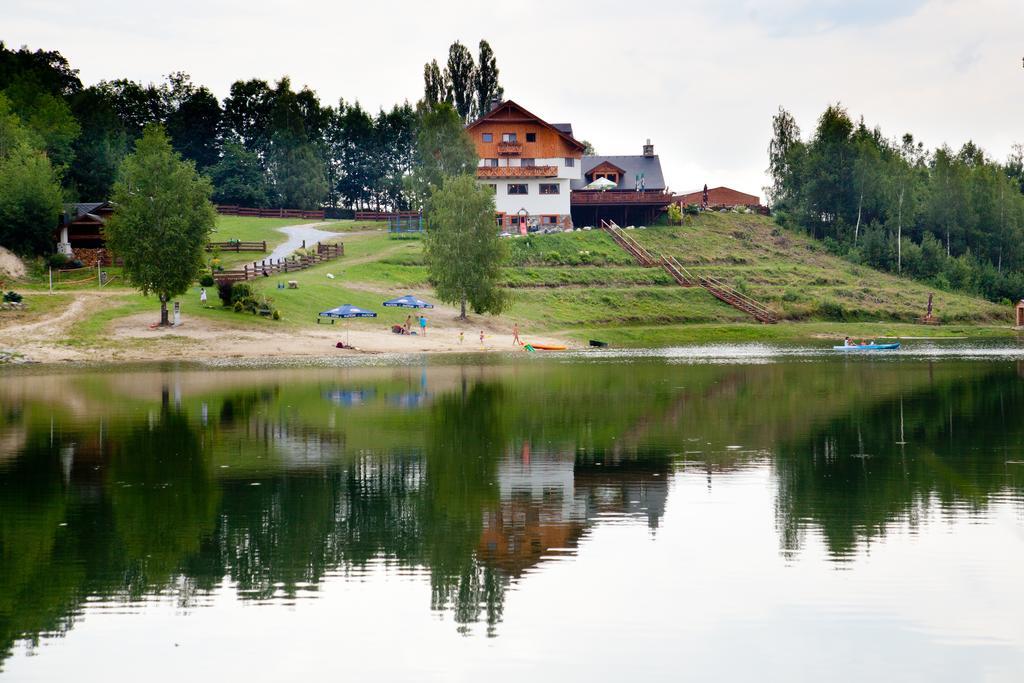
{"type": "Point", "coordinates": [249, 229]}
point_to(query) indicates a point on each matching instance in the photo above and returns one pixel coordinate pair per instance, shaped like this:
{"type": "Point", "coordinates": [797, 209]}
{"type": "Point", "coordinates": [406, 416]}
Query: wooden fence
{"type": "Point", "coordinates": [385, 215]}
{"type": "Point", "coordinates": [231, 210]}
{"type": "Point", "coordinates": [266, 268]}
{"type": "Point", "coordinates": [237, 246]}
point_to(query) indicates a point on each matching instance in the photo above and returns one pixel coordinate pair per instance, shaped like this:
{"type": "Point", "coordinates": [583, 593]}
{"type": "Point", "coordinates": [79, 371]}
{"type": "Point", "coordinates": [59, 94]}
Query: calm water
{"type": "Point", "coordinates": [724, 514]}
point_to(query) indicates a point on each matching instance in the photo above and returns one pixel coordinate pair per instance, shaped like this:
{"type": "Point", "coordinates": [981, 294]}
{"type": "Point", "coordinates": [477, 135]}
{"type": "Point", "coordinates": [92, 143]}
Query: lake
{"type": "Point", "coordinates": [712, 513]}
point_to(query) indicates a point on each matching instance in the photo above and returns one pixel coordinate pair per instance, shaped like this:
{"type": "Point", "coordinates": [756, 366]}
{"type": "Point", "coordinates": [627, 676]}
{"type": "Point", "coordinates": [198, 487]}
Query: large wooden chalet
{"type": "Point", "coordinates": [81, 226]}
{"type": "Point", "coordinates": [541, 179]}
{"type": "Point", "coordinates": [529, 163]}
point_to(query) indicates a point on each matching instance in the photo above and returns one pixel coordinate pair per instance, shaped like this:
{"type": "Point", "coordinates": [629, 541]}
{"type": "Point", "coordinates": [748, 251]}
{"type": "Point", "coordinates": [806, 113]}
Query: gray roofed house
{"type": "Point", "coordinates": [631, 166]}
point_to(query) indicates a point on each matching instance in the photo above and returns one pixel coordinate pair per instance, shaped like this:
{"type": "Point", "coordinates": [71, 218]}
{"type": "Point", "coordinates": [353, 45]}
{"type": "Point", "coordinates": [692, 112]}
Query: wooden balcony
{"type": "Point", "coordinates": [510, 149]}
{"type": "Point", "coordinates": [616, 198]}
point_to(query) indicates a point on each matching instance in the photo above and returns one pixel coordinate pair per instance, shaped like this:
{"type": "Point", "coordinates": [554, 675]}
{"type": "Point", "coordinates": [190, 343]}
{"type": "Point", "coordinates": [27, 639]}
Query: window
{"type": "Point", "coordinates": [569, 162]}
{"type": "Point", "coordinates": [531, 137]}
{"type": "Point", "coordinates": [549, 188]}
{"type": "Point", "coordinates": [499, 218]}
{"type": "Point", "coordinates": [508, 137]}
{"type": "Point", "coordinates": [488, 137]}
{"type": "Point", "coordinates": [493, 163]}
{"type": "Point", "coordinates": [528, 162]}
{"type": "Point", "coordinates": [549, 220]}
{"type": "Point", "coordinates": [518, 188]}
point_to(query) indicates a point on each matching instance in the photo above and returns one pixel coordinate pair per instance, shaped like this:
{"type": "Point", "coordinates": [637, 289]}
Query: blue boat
{"type": "Point", "coordinates": [867, 347]}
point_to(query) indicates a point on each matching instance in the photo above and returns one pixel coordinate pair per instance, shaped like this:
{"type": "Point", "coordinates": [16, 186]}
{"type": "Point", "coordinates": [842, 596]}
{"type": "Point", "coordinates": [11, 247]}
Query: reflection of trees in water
{"type": "Point", "coordinates": [852, 477]}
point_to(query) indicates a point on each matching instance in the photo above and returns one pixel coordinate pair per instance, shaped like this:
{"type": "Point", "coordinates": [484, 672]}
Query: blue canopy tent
{"type": "Point", "coordinates": [346, 311]}
{"type": "Point", "coordinates": [407, 301]}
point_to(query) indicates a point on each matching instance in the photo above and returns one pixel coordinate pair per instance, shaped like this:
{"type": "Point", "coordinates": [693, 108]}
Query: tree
{"type": "Point", "coordinates": [248, 111]}
{"type": "Point", "coordinates": [30, 201]}
{"type": "Point", "coordinates": [435, 89]}
{"type": "Point", "coordinates": [443, 149]}
{"type": "Point", "coordinates": [100, 148]}
{"type": "Point", "coordinates": [239, 179]}
{"type": "Point", "coordinates": [194, 127]}
{"type": "Point", "coordinates": [298, 174]}
{"type": "Point", "coordinates": [463, 250]}
{"type": "Point", "coordinates": [487, 87]}
{"type": "Point", "coordinates": [460, 75]}
{"type": "Point", "coordinates": [163, 219]}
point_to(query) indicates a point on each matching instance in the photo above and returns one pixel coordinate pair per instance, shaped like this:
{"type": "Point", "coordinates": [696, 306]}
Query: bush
{"type": "Point", "coordinates": [276, 315]}
{"type": "Point", "coordinates": [224, 288]}
{"type": "Point", "coordinates": [57, 260]}
{"type": "Point", "coordinates": [240, 291]}
{"type": "Point", "coordinates": [12, 298]}
{"type": "Point", "coordinates": [674, 214]}
{"type": "Point", "coordinates": [691, 210]}
{"type": "Point", "coordinates": [206, 280]}
{"type": "Point", "coordinates": [237, 307]}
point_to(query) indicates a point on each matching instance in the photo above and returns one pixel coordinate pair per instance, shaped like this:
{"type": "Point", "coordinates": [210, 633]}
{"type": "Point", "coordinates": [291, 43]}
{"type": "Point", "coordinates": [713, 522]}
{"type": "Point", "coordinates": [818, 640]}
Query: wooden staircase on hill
{"type": "Point", "coordinates": [720, 290]}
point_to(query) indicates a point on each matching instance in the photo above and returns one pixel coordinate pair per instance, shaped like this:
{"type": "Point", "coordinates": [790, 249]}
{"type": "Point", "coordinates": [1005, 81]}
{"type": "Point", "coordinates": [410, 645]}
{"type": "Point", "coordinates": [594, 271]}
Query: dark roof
{"type": "Point", "coordinates": [631, 167]}
{"type": "Point", "coordinates": [82, 208]}
{"type": "Point", "coordinates": [77, 210]}
{"type": "Point", "coordinates": [563, 128]}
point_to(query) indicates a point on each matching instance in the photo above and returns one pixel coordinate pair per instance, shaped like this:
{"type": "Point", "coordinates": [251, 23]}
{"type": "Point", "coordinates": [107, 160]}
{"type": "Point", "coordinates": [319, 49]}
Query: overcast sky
{"type": "Point", "coordinates": [701, 78]}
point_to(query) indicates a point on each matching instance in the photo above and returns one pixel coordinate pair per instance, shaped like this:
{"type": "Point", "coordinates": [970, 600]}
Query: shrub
{"type": "Point", "coordinates": [674, 214]}
{"type": "Point", "coordinates": [276, 315]}
{"type": "Point", "coordinates": [691, 210]}
{"type": "Point", "coordinates": [237, 307]}
{"type": "Point", "coordinates": [12, 297]}
{"type": "Point", "coordinates": [831, 310]}
{"type": "Point", "coordinates": [224, 288]}
{"type": "Point", "coordinates": [240, 291]}
{"type": "Point", "coordinates": [206, 280]}
{"type": "Point", "coordinates": [57, 260]}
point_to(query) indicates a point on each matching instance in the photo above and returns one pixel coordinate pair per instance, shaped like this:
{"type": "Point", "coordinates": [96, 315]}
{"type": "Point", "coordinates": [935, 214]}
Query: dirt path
{"type": "Point", "coordinates": [297, 234]}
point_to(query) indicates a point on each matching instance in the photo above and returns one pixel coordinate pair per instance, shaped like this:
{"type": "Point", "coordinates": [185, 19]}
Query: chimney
{"type": "Point", "coordinates": [648, 149]}
{"type": "Point", "coordinates": [495, 103]}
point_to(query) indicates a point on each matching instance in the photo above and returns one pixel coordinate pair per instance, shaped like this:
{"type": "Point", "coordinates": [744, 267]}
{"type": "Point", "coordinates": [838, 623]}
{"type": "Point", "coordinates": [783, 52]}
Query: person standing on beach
{"type": "Point", "coordinates": [423, 325]}
{"type": "Point", "coordinates": [481, 337]}
{"type": "Point", "coordinates": [515, 335]}
{"type": "Point", "coordinates": [408, 324]}
{"type": "Point", "coordinates": [462, 335]}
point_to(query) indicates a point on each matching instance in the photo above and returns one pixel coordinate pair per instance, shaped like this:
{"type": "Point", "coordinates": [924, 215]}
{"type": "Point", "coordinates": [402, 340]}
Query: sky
{"type": "Point", "coordinates": [700, 78]}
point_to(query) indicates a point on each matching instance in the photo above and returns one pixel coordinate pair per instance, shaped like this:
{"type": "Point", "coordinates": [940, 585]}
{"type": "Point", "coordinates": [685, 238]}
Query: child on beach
{"type": "Point", "coordinates": [481, 337]}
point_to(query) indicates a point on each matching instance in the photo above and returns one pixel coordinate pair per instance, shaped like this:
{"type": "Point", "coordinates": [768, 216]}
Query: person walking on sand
{"type": "Point", "coordinates": [462, 335]}
{"type": "Point", "coordinates": [481, 337]}
{"type": "Point", "coordinates": [202, 297]}
{"type": "Point", "coordinates": [423, 325]}
{"type": "Point", "coordinates": [515, 335]}
{"type": "Point", "coordinates": [408, 324]}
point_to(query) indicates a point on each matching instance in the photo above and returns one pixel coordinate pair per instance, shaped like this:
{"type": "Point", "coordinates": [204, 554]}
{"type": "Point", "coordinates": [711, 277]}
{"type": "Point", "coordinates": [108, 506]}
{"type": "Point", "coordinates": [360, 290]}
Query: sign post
{"type": "Point", "coordinates": [177, 313]}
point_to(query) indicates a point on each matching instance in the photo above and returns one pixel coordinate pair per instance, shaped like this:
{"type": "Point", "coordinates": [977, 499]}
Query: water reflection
{"type": "Point", "coordinates": [119, 487]}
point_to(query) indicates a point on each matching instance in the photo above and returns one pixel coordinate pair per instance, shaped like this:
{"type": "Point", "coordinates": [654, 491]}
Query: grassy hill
{"type": "Point", "coordinates": [582, 285]}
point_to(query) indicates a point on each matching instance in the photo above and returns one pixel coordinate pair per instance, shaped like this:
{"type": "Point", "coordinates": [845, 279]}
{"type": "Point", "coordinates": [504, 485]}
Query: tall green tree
{"type": "Point", "coordinates": [30, 201]}
{"type": "Point", "coordinates": [486, 80]}
{"type": "Point", "coordinates": [239, 179]}
{"type": "Point", "coordinates": [194, 127]}
{"type": "Point", "coordinates": [297, 171]}
{"type": "Point", "coordinates": [463, 250]}
{"type": "Point", "coordinates": [100, 148]}
{"type": "Point", "coordinates": [163, 219]}
{"type": "Point", "coordinates": [435, 89]}
{"type": "Point", "coordinates": [443, 149]}
{"type": "Point", "coordinates": [460, 76]}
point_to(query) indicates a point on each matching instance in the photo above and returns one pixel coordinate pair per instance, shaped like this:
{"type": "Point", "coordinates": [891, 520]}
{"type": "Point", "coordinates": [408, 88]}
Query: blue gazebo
{"type": "Point", "coordinates": [407, 301]}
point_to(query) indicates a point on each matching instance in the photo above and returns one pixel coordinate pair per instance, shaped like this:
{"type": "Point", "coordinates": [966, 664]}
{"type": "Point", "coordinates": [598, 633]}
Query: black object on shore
{"type": "Point", "coordinates": [599, 344]}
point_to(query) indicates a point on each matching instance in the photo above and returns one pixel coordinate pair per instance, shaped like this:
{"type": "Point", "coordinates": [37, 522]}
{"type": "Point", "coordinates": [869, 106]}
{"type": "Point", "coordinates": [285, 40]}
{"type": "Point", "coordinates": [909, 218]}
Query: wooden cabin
{"type": "Point", "coordinates": [81, 226]}
{"type": "Point", "coordinates": [718, 198]}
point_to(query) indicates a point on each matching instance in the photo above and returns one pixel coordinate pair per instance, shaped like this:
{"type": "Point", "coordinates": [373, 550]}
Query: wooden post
{"type": "Point", "coordinates": [303, 244]}
{"type": "Point", "coordinates": [264, 245]}
{"type": "Point", "coordinates": [51, 280]}
{"type": "Point", "coordinates": [245, 272]}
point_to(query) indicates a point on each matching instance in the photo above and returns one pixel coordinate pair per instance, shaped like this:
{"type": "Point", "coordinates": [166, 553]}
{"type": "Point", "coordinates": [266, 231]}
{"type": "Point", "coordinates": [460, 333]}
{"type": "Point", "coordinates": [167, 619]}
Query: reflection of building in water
{"type": "Point", "coordinates": [548, 500]}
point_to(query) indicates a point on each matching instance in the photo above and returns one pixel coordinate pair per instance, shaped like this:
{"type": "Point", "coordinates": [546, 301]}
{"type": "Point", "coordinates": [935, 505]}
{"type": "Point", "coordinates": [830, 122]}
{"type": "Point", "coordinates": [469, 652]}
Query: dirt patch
{"type": "Point", "coordinates": [11, 266]}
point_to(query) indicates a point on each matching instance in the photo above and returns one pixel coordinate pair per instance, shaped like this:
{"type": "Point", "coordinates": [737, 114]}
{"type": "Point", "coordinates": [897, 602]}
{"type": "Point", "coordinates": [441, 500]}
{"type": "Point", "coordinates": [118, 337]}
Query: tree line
{"type": "Point", "coordinates": [264, 144]}
{"type": "Point", "coordinates": [953, 218]}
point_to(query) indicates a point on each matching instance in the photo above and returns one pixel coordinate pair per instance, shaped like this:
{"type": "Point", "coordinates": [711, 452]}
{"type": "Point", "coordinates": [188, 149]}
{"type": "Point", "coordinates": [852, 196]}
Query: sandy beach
{"type": "Point", "coordinates": [132, 338]}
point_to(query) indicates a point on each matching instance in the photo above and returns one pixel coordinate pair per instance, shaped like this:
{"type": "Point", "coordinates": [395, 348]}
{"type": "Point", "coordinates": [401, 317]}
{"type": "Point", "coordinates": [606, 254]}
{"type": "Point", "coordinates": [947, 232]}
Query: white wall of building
{"type": "Point", "coordinates": [533, 201]}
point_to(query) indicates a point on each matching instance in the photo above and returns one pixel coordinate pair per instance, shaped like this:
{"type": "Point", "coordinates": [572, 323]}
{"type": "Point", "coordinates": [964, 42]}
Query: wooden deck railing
{"type": "Point", "coordinates": [266, 268]}
{"type": "Point", "coordinates": [384, 215]}
{"type": "Point", "coordinates": [641, 255]}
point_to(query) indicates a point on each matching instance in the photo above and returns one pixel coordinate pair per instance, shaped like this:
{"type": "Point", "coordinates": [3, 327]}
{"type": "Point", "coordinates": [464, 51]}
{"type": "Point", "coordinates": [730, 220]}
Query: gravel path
{"type": "Point", "coordinates": [296, 234]}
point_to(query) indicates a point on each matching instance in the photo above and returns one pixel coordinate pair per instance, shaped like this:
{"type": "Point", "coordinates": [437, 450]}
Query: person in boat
{"type": "Point", "coordinates": [847, 342]}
